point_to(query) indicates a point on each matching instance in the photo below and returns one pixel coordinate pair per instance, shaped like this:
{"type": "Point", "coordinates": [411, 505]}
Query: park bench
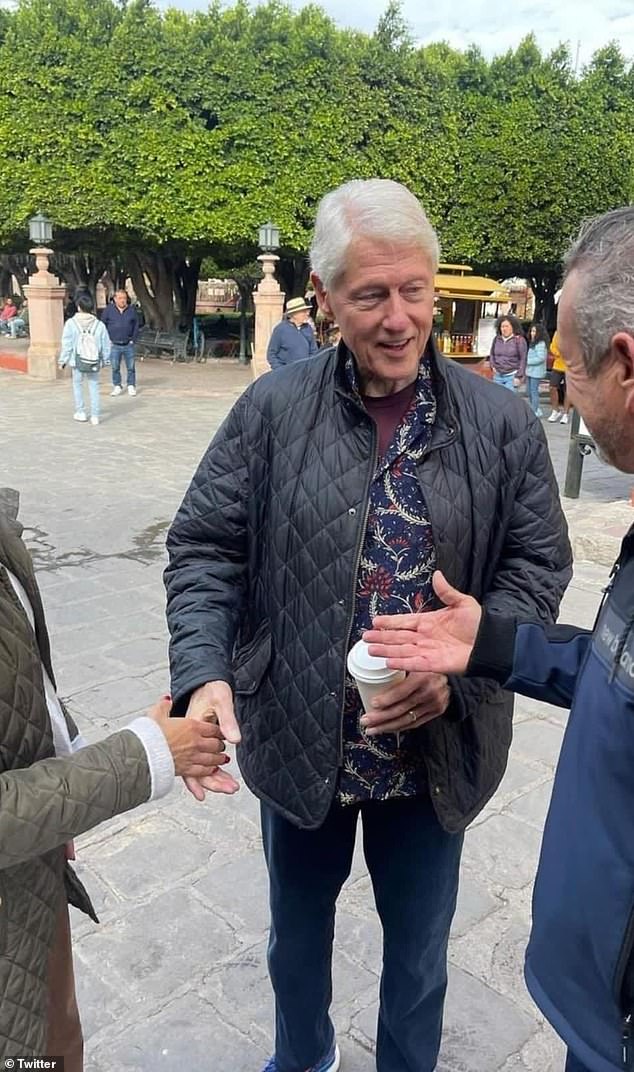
{"type": "Point", "coordinates": [163, 344]}
{"type": "Point", "coordinates": [145, 342]}
{"type": "Point", "coordinates": [171, 344]}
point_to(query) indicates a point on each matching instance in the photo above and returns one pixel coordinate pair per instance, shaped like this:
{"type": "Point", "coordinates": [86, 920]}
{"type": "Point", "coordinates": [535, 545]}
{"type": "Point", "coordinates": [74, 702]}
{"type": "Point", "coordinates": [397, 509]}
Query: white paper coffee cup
{"type": "Point", "coordinates": [371, 675]}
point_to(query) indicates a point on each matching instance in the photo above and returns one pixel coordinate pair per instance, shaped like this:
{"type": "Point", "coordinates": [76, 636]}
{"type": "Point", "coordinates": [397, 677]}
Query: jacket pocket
{"type": "Point", "coordinates": [252, 660]}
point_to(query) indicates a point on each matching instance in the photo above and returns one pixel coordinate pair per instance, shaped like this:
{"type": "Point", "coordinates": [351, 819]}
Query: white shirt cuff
{"type": "Point", "coordinates": [158, 754]}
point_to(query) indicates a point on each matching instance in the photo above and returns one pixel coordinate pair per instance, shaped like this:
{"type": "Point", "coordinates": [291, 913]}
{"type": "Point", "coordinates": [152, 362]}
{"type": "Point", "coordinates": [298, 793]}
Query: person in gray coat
{"type": "Point", "coordinates": [293, 339]}
{"type": "Point", "coordinates": [53, 786]}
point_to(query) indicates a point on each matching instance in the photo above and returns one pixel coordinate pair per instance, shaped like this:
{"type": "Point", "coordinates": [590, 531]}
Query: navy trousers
{"type": "Point", "coordinates": [413, 865]}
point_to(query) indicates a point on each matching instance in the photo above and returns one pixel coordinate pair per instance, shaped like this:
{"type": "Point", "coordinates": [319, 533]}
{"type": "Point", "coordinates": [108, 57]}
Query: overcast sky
{"type": "Point", "coordinates": [494, 25]}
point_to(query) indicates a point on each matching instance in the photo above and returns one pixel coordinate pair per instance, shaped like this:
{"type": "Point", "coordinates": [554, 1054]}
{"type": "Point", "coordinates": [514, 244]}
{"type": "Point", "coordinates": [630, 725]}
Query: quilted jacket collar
{"type": "Point", "coordinates": [444, 429]}
{"type": "Point", "coordinates": [15, 557]}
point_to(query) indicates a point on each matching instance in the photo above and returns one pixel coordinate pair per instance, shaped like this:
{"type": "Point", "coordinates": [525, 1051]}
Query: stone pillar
{"type": "Point", "coordinates": [268, 300]}
{"type": "Point", "coordinates": [46, 318]}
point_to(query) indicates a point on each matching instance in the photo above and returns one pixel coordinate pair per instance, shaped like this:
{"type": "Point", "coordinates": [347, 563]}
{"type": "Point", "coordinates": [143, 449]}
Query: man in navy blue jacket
{"type": "Point", "coordinates": [122, 322]}
{"type": "Point", "coordinates": [293, 339]}
{"type": "Point", "coordinates": [580, 959]}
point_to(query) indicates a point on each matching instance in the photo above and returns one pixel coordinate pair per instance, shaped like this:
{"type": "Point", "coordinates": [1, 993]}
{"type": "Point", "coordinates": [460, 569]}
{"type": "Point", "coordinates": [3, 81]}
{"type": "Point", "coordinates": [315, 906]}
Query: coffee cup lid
{"type": "Point", "coordinates": [361, 662]}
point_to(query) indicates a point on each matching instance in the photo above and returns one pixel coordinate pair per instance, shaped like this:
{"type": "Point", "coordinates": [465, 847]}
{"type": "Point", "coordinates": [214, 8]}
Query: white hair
{"type": "Point", "coordinates": [374, 208]}
{"type": "Point", "coordinates": [603, 256]}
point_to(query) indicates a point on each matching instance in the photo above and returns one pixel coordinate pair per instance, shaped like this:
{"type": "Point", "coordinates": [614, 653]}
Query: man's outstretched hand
{"type": "Point", "coordinates": [213, 702]}
{"type": "Point", "coordinates": [439, 641]}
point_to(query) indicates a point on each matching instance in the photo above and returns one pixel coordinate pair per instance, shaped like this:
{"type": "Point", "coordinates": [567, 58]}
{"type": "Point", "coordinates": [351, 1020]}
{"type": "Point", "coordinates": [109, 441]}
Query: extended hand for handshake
{"type": "Point", "coordinates": [197, 745]}
{"type": "Point", "coordinates": [439, 641]}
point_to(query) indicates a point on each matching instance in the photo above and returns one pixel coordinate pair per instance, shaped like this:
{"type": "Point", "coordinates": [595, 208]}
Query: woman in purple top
{"type": "Point", "coordinates": [508, 353]}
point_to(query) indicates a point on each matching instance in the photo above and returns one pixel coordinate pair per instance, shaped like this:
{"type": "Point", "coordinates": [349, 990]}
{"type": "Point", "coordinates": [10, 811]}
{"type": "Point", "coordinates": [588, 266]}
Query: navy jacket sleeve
{"type": "Point", "coordinates": [540, 661]}
{"type": "Point", "coordinates": [312, 344]}
{"type": "Point", "coordinates": [135, 324]}
{"type": "Point", "coordinates": [206, 575]}
{"type": "Point", "coordinates": [273, 349]}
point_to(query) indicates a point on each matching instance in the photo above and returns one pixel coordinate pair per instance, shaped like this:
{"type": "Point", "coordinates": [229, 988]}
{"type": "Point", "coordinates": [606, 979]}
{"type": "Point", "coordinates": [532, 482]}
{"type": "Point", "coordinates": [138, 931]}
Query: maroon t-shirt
{"type": "Point", "coordinates": [387, 411]}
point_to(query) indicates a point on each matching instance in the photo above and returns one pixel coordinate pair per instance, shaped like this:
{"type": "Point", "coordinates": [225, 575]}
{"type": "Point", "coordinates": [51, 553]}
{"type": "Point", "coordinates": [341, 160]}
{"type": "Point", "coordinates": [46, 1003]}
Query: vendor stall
{"type": "Point", "coordinates": [465, 311]}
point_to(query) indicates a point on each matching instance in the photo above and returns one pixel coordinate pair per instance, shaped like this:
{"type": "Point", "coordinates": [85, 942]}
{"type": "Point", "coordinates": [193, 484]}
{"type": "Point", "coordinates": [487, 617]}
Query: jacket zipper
{"type": "Point", "coordinates": [368, 484]}
{"type": "Point", "coordinates": [627, 1022]}
{"type": "Point", "coordinates": [626, 1039]}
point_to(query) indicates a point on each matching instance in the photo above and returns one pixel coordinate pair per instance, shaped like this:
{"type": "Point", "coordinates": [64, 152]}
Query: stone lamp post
{"type": "Point", "coordinates": [46, 305]}
{"type": "Point", "coordinates": [268, 298]}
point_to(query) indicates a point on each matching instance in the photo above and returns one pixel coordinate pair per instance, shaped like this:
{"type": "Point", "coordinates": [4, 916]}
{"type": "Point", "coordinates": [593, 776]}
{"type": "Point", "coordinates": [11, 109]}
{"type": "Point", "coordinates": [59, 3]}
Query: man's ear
{"type": "Point", "coordinates": [622, 347]}
{"type": "Point", "coordinates": [322, 295]}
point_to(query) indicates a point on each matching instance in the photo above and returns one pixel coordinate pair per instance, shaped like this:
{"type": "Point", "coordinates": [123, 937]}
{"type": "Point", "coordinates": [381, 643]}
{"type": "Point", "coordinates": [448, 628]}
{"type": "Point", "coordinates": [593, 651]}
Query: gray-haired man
{"type": "Point", "coordinates": [332, 491]}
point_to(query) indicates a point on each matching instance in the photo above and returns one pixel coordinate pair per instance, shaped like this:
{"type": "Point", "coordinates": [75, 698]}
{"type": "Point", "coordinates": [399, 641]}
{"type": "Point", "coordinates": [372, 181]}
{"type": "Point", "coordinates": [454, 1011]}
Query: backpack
{"type": "Point", "coordinates": [87, 355]}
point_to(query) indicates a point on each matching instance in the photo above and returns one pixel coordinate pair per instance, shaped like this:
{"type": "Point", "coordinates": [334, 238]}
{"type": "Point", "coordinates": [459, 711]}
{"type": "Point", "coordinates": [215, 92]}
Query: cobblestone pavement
{"type": "Point", "coordinates": [175, 977]}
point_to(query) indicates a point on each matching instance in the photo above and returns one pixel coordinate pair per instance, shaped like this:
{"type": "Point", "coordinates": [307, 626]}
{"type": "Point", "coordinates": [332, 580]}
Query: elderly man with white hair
{"type": "Point", "coordinates": [331, 493]}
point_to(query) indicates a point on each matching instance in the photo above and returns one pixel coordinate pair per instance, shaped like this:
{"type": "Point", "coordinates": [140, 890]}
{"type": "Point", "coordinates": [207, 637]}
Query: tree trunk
{"type": "Point", "coordinates": [152, 277]}
{"type": "Point", "coordinates": [186, 275]}
{"type": "Point", "coordinates": [79, 271]}
{"type": "Point", "coordinates": [293, 273]}
{"type": "Point", "coordinates": [6, 286]}
{"type": "Point", "coordinates": [246, 306]}
{"type": "Point", "coordinates": [17, 264]}
{"type": "Point", "coordinates": [544, 288]}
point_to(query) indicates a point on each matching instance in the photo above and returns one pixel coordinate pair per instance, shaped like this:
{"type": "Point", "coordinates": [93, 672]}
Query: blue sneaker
{"type": "Point", "coordinates": [329, 1063]}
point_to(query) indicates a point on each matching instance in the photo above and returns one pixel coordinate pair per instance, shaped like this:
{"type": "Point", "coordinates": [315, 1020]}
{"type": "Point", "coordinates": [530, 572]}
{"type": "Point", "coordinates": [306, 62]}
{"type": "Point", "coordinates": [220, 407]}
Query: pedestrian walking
{"type": "Point", "coordinates": [536, 364]}
{"type": "Point", "coordinates": [85, 349]}
{"type": "Point", "coordinates": [508, 353]}
{"type": "Point", "coordinates": [560, 406]}
{"type": "Point", "coordinates": [333, 489]}
{"type": "Point", "coordinates": [580, 958]}
{"type": "Point", "coordinates": [122, 324]}
{"type": "Point", "coordinates": [293, 339]}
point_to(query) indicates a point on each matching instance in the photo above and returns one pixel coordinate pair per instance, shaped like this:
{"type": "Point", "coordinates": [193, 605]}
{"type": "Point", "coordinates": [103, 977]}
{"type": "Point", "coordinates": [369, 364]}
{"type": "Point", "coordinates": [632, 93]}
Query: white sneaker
{"type": "Point", "coordinates": [564, 418]}
{"type": "Point", "coordinates": [80, 416]}
{"type": "Point", "coordinates": [554, 416]}
{"type": "Point", "coordinates": [94, 420]}
{"type": "Point", "coordinates": [116, 391]}
{"type": "Point", "coordinates": [131, 389]}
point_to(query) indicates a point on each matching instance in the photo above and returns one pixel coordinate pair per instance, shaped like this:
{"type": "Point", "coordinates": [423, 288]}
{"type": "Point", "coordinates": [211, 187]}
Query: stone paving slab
{"type": "Point", "coordinates": [175, 975]}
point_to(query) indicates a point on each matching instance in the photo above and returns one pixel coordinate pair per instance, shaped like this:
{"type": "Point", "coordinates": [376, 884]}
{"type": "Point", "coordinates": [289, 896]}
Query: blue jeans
{"type": "Point", "coordinates": [505, 379]}
{"type": "Point", "coordinates": [413, 864]}
{"type": "Point", "coordinates": [573, 1065]}
{"type": "Point", "coordinates": [15, 326]}
{"type": "Point", "coordinates": [127, 353]}
{"type": "Point", "coordinates": [92, 379]}
{"type": "Point", "coordinates": [532, 385]}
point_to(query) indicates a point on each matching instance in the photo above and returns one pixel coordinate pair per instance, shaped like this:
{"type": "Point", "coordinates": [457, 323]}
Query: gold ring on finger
{"type": "Point", "coordinates": [413, 716]}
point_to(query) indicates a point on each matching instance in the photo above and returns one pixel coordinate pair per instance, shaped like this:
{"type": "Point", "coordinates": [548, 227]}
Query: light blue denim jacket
{"type": "Point", "coordinates": [70, 337]}
{"type": "Point", "coordinates": [536, 360]}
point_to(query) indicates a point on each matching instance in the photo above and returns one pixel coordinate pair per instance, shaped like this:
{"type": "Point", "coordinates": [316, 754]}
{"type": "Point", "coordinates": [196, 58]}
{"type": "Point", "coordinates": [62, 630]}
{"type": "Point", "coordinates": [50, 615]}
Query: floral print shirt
{"type": "Point", "coordinates": [397, 563]}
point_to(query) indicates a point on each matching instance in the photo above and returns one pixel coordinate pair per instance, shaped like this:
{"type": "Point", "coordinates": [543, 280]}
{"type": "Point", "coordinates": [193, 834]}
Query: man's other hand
{"type": "Point", "coordinates": [213, 703]}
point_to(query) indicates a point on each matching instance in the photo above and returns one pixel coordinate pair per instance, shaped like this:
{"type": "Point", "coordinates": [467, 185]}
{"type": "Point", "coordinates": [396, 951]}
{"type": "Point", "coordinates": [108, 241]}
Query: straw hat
{"type": "Point", "coordinates": [296, 305]}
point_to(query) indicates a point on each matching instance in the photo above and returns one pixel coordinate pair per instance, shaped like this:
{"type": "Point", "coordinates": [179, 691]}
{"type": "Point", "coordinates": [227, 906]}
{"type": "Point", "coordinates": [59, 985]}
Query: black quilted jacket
{"type": "Point", "coordinates": [264, 554]}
